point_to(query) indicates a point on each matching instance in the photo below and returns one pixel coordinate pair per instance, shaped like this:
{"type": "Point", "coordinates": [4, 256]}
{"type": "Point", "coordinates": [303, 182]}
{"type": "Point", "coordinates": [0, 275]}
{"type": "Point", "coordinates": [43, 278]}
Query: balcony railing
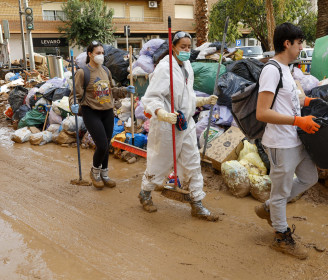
{"type": "Point", "coordinates": [137, 19]}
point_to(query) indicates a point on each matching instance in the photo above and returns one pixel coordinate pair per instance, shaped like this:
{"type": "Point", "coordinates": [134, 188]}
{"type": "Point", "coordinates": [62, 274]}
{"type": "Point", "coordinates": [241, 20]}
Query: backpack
{"type": "Point", "coordinates": [244, 103]}
{"type": "Point", "coordinates": [86, 71]}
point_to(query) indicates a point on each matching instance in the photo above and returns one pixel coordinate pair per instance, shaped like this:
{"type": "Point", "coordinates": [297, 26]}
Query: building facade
{"type": "Point", "coordinates": [147, 20]}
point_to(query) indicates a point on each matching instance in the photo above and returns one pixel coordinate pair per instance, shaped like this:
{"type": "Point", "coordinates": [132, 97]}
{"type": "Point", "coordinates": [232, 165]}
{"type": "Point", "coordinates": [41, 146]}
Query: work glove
{"type": "Point", "coordinates": [164, 116]}
{"type": "Point", "coordinates": [307, 101]}
{"type": "Point", "coordinates": [75, 108]}
{"type": "Point", "coordinates": [201, 101]}
{"type": "Point", "coordinates": [131, 89]}
{"type": "Point", "coordinates": [307, 124]}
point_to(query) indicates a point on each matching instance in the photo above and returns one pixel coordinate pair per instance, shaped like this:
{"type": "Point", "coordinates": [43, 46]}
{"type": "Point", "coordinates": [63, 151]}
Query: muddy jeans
{"type": "Point", "coordinates": [284, 163]}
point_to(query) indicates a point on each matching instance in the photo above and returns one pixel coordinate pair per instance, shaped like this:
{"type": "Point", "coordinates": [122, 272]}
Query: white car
{"type": "Point", "coordinates": [306, 54]}
{"type": "Point", "coordinates": [252, 52]}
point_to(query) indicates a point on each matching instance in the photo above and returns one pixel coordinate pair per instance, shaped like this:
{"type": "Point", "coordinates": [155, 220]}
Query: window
{"type": "Point", "coordinates": [52, 11]}
{"type": "Point", "coordinates": [136, 13]}
{"type": "Point", "coordinates": [303, 54]}
{"type": "Point", "coordinates": [184, 11]}
{"type": "Point", "coordinates": [118, 8]}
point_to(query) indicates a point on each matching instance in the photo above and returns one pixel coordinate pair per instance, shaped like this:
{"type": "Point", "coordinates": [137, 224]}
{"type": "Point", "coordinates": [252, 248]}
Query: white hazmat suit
{"type": "Point", "coordinates": [160, 147]}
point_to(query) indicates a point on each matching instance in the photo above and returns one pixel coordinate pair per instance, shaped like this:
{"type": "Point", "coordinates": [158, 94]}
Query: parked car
{"type": "Point", "coordinates": [306, 54]}
{"type": "Point", "coordinates": [252, 52]}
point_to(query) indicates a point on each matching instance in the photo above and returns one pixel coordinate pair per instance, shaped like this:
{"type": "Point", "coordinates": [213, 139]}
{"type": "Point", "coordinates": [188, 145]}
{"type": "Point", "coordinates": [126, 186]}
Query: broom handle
{"type": "Point", "coordinates": [76, 119]}
{"type": "Point", "coordinates": [132, 98]}
{"type": "Point", "coordinates": [172, 103]}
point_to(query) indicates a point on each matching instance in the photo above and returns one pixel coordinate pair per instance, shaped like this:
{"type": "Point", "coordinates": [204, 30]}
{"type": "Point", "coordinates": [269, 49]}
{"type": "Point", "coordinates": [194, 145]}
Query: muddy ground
{"type": "Point", "coordinates": [50, 229]}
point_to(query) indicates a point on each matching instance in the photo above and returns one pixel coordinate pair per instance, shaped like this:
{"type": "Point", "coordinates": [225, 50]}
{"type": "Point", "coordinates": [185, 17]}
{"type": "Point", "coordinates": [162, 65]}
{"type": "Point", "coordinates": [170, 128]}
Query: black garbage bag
{"type": "Point", "coordinates": [320, 92]}
{"type": "Point", "coordinates": [17, 97]}
{"type": "Point", "coordinates": [229, 83]}
{"type": "Point", "coordinates": [21, 112]}
{"type": "Point", "coordinates": [117, 62]}
{"type": "Point", "coordinates": [249, 69]}
{"type": "Point", "coordinates": [263, 155]}
{"type": "Point", "coordinates": [60, 93]}
{"type": "Point", "coordinates": [49, 93]}
{"type": "Point", "coordinates": [316, 144]}
{"type": "Point", "coordinates": [193, 55]}
{"type": "Point", "coordinates": [218, 46]}
{"type": "Point", "coordinates": [160, 52]}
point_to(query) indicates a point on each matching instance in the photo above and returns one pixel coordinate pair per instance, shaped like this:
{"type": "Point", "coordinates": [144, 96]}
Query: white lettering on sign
{"type": "Point", "coordinates": [47, 42]}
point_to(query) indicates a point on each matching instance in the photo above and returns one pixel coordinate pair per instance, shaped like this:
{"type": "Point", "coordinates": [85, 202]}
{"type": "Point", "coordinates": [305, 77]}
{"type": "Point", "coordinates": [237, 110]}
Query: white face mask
{"type": "Point", "coordinates": [99, 59]}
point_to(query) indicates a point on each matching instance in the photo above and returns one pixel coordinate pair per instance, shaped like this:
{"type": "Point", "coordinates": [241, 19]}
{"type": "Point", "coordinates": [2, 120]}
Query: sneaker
{"type": "Point", "coordinates": [263, 212]}
{"type": "Point", "coordinates": [146, 201]}
{"type": "Point", "coordinates": [96, 178]}
{"type": "Point", "coordinates": [108, 182]}
{"type": "Point", "coordinates": [284, 242]}
{"type": "Point", "coordinates": [199, 211]}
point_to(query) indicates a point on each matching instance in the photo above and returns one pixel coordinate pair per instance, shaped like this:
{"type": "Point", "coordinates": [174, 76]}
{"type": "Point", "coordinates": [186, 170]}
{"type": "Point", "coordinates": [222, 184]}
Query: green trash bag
{"type": "Point", "coordinates": [32, 118]}
{"type": "Point", "coordinates": [205, 75]}
{"type": "Point", "coordinates": [319, 65]}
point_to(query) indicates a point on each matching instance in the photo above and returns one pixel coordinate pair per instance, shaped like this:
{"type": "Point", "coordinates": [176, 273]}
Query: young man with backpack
{"type": "Point", "coordinates": [286, 153]}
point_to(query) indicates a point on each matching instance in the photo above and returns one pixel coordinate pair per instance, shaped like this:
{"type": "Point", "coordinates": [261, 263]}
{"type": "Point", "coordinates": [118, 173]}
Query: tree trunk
{"type": "Point", "coordinates": [270, 23]}
{"type": "Point", "coordinates": [322, 22]}
{"type": "Point", "coordinates": [201, 15]}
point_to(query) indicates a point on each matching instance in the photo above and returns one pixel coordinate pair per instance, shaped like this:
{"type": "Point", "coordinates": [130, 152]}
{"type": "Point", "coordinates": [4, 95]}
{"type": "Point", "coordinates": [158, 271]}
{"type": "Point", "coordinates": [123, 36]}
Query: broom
{"type": "Point", "coordinates": [79, 181]}
{"type": "Point", "coordinates": [172, 191]}
{"type": "Point", "coordinates": [125, 146]}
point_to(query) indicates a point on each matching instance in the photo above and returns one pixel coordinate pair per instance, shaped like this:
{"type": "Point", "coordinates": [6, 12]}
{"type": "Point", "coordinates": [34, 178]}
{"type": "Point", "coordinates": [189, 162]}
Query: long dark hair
{"type": "Point", "coordinates": [91, 47]}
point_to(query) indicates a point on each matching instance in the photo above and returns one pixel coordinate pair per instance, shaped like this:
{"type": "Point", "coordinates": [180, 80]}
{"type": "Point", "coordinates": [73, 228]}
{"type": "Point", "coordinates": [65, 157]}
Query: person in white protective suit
{"type": "Point", "coordinates": [160, 148]}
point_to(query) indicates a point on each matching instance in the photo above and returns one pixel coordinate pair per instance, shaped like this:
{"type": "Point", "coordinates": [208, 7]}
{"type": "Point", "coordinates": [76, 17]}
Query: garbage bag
{"type": "Point", "coordinates": [146, 63]}
{"type": "Point", "coordinates": [68, 124]}
{"type": "Point", "coordinates": [140, 140]}
{"type": "Point", "coordinates": [53, 128]}
{"type": "Point", "coordinates": [41, 138]}
{"type": "Point", "coordinates": [320, 92]}
{"type": "Point", "coordinates": [21, 112]}
{"type": "Point", "coordinates": [319, 64]}
{"type": "Point", "coordinates": [21, 135]}
{"type": "Point", "coordinates": [34, 99]}
{"type": "Point", "coordinates": [64, 137]}
{"type": "Point", "coordinates": [117, 62]}
{"type": "Point", "coordinates": [235, 176]}
{"type": "Point", "coordinates": [87, 141]}
{"type": "Point", "coordinates": [308, 82]}
{"type": "Point", "coordinates": [60, 93]}
{"type": "Point", "coordinates": [54, 118]}
{"type": "Point", "coordinates": [251, 168]}
{"type": "Point", "coordinates": [81, 60]}
{"type": "Point", "coordinates": [160, 52]}
{"type": "Point", "coordinates": [32, 118]}
{"type": "Point", "coordinates": [229, 83]}
{"type": "Point", "coordinates": [139, 112]}
{"type": "Point", "coordinates": [193, 55]}
{"type": "Point", "coordinates": [218, 45]}
{"type": "Point", "coordinates": [260, 187]}
{"type": "Point", "coordinates": [205, 75]}
{"type": "Point", "coordinates": [117, 128]}
{"type": "Point", "coordinates": [247, 148]}
{"type": "Point", "coordinates": [49, 93]}
{"type": "Point", "coordinates": [249, 69]}
{"type": "Point", "coordinates": [316, 144]}
{"type": "Point", "coordinates": [44, 88]}
{"type": "Point", "coordinates": [151, 47]}
{"type": "Point", "coordinates": [226, 117]}
{"type": "Point", "coordinates": [31, 93]}
{"type": "Point", "coordinates": [16, 97]}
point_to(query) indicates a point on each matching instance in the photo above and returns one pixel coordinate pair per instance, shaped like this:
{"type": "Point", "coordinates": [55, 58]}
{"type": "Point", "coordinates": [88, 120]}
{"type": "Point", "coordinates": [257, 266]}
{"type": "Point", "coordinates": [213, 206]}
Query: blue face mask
{"type": "Point", "coordinates": [183, 56]}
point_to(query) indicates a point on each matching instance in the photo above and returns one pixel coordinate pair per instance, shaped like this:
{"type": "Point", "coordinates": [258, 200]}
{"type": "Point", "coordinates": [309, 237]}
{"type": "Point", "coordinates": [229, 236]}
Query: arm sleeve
{"type": "Point", "coordinates": [79, 87]}
{"type": "Point", "coordinates": [269, 79]}
{"type": "Point", "coordinates": [158, 89]}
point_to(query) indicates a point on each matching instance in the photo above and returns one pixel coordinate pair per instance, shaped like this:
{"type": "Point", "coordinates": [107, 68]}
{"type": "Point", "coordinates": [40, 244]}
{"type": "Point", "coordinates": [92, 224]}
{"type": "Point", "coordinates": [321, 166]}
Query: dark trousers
{"type": "Point", "coordinates": [100, 125]}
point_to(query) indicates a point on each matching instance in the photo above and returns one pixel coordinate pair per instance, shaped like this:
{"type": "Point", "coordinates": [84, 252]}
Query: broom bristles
{"type": "Point", "coordinates": [171, 193]}
{"type": "Point", "coordinates": [129, 148]}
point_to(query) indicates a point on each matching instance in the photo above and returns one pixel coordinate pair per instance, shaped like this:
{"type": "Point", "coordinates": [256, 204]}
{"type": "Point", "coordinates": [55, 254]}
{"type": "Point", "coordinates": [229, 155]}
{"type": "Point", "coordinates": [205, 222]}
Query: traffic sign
{"type": "Point", "coordinates": [238, 43]}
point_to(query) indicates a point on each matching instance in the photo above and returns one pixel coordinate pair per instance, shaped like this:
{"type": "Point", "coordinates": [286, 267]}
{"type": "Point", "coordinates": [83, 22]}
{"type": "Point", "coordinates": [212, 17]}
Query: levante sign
{"type": "Point", "coordinates": [50, 42]}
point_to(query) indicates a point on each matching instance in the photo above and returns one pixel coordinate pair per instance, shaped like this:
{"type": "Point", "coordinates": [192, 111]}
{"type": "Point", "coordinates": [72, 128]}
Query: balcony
{"type": "Point", "coordinates": [138, 19]}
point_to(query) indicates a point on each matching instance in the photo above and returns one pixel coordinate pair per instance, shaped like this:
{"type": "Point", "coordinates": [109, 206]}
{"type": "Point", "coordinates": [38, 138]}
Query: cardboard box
{"type": "Point", "coordinates": [225, 147]}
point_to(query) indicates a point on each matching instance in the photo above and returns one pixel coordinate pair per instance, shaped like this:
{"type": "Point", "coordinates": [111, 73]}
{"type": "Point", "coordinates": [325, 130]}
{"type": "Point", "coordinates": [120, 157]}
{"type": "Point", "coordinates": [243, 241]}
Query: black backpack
{"type": "Point", "coordinates": [86, 71]}
{"type": "Point", "coordinates": [244, 103]}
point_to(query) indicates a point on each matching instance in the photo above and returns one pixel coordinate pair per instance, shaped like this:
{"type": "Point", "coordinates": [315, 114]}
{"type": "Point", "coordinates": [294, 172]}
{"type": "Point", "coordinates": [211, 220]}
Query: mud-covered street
{"type": "Point", "coordinates": [50, 229]}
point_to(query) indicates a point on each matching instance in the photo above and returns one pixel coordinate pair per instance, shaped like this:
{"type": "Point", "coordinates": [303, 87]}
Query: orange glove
{"type": "Point", "coordinates": [307, 124]}
{"type": "Point", "coordinates": [307, 101]}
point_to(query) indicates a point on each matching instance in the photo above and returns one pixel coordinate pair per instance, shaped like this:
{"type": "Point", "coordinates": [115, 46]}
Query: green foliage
{"type": "Point", "coordinates": [87, 21]}
{"type": "Point", "coordinates": [252, 14]}
{"type": "Point", "coordinates": [309, 26]}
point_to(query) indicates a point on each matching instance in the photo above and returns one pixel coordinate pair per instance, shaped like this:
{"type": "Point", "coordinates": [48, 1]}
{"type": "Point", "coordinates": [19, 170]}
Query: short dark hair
{"type": "Point", "coordinates": [90, 48]}
{"type": "Point", "coordinates": [283, 32]}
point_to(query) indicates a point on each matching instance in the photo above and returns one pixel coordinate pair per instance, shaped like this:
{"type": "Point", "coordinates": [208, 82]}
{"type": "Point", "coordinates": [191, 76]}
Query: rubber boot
{"type": "Point", "coordinates": [199, 211]}
{"type": "Point", "coordinates": [146, 201]}
{"type": "Point", "coordinates": [263, 212]}
{"type": "Point", "coordinates": [96, 178]}
{"type": "Point", "coordinates": [284, 242]}
{"type": "Point", "coordinates": [106, 180]}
